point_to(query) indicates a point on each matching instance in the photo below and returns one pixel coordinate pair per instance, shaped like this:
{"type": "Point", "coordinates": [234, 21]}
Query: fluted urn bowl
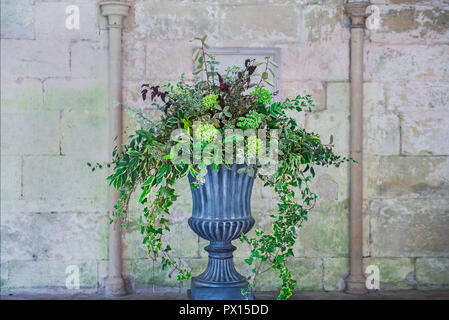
{"type": "Point", "coordinates": [221, 212]}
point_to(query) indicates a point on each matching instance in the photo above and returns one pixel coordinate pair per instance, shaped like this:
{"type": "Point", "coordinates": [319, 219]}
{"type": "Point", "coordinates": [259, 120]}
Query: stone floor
{"type": "Point", "coordinates": [303, 295]}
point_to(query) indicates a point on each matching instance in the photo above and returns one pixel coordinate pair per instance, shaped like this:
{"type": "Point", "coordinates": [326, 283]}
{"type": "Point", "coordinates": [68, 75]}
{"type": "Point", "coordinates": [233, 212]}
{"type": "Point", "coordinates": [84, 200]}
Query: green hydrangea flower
{"type": "Point", "coordinates": [264, 96]}
{"type": "Point", "coordinates": [255, 146]}
{"type": "Point", "coordinates": [206, 132]}
{"type": "Point", "coordinates": [210, 101]}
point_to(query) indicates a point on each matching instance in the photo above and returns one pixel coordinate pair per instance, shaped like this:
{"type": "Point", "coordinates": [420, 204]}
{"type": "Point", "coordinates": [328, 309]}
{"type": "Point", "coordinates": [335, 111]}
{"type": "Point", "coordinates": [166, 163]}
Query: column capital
{"type": "Point", "coordinates": [115, 11]}
{"type": "Point", "coordinates": [357, 13]}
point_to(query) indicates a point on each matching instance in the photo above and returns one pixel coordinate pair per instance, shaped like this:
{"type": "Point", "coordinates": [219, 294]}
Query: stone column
{"type": "Point", "coordinates": [114, 11]}
{"type": "Point", "coordinates": [355, 283]}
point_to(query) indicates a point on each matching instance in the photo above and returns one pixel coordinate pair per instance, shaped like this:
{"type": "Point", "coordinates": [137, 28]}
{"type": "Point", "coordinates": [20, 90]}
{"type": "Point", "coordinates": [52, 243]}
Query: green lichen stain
{"type": "Point", "coordinates": [90, 97]}
{"type": "Point", "coordinates": [437, 21]}
{"type": "Point", "coordinates": [400, 20]}
{"type": "Point", "coordinates": [326, 232]}
{"type": "Point", "coordinates": [30, 98]}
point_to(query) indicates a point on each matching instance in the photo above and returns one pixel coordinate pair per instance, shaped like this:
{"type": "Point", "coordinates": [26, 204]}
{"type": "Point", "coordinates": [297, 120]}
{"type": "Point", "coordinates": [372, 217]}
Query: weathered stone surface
{"type": "Point", "coordinates": [406, 177]}
{"type": "Point", "coordinates": [84, 133]}
{"type": "Point", "coordinates": [308, 272]}
{"type": "Point", "coordinates": [425, 133]}
{"type": "Point", "coordinates": [11, 177]}
{"type": "Point", "coordinates": [30, 133]}
{"type": "Point", "coordinates": [89, 59]}
{"type": "Point", "coordinates": [324, 23]}
{"type": "Point", "coordinates": [262, 23]}
{"type": "Point", "coordinates": [403, 62]}
{"type": "Point", "coordinates": [50, 274]}
{"type": "Point", "coordinates": [55, 28]}
{"type": "Point", "coordinates": [32, 236]}
{"type": "Point", "coordinates": [337, 125]}
{"type": "Point", "coordinates": [55, 183]}
{"type": "Point", "coordinates": [335, 272]}
{"type": "Point", "coordinates": [326, 232]}
{"type": "Point", "coordinates": [36, 59]}
{"type": "Point", "coordinates": [417, 96]}
{"type": "Point", "coordinates": [174, 20]}
{"type": "Point", "coordinates": [409, 227]}
{"type": "Point", "coordinates": [382, 135]}
{"type": "Point", "coordinates": [134, 59]}
{"type": "Point", "coordinates": [76, 93]}
{"type": "Point", "coordinates": [17, 19]}
{"type": "Point", "coordinates": [337, 97]}
{"type": "Point", "coordinates": [394, 273]}
{"type": "Point", "coordinates": [21, 94]}
{"type": "Point", "coordinates": [432, 272]}
{"type": "Point", "coordinates": [382, 131]}
{"type": "Point", "coordinates": [409, 24]}
{"type": "Point", "coordinates": [315, 88]}
{"type": "Point", "coordinates": [302, 62]}
{"type": "Point", "coordinates": [167, 60]}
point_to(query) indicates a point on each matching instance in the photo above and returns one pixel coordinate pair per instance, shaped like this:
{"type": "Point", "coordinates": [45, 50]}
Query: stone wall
{"type": "Point", "coordinates": [53, 121]}
{"type": "Point", "coordinates": [54, 82]}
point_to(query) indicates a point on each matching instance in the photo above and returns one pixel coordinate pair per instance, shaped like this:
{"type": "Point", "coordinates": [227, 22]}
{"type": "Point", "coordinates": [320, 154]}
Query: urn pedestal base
{"type": "Point", "coordinates": [220, 280]}
{"type": "Point", "coordinates": [221, 213]}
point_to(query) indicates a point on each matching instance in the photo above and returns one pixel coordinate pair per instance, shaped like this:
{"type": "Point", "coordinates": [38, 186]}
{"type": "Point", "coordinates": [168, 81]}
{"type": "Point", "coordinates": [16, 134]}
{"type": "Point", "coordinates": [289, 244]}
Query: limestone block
{"type": "Point", "coordinates": [21, 94]}
{"type": "Point", "coordinates": [308, 272]}
{"type": "Point", "coordinates": [11, 177]}
{"type": "Point", "coordinates": [324, 22]}
{"type": "Point", "coordinates": [331, 183]}
{"type": "Point", "coordinates": [425, 133]}
{"type": "Point", "coordinates": [260, 23]}
{"type": "Point", "coordinates": [327, 123]}
{"type": "Point", "coordinates": [62, 183]}
{"type": "Point", "coordinates": [34, 236]}
{"type": "Point", "coordinates": [51, 20]}
{"type": "Point", "coordinates": [394, 273]}
{"type": "Point", "coordinates": [409, 227]}
{"type": "Point", "coordinates": [84, 133]}
{"type": "Point", "coordinates": [134, 59]}
{"type": "Point", "coordinates": [381, 127]}
{"type": "Point", "coordinates": [167, 60]}
{"type": "Point", "coordinates": [337, 97]}
{"type": "Point", "coordinates": [17, 239]}
{"type": "Point", "coordinates": [4, 277]}
{"type": "Point", "coordinates": [35, 59]}
{"type": "Point", "coordinates": [17, 19]}
{"type": "Point", "coordinates": [30, 133]}
{"type": "Point", "coordinates": [76, 93]}
{"type": "Point", "coordinates": [49, 274]}
{"type": "Point", "coordinates": [382, 134]}
{"type": "Point", "coordinates": [406, 177]}
{"type": "Point", "coordinates": [302, 62]}
{"type": "Point", "coordinates": [175, 20]}
{"type": "Point", "coordinates": [404, 24]}
{"type": "Point", "coordinates": [417, 96]}
{"type": "Point", "coordinates": [406, 62]}
{"type": "Point", "coordinates": [335, 271]}
{"type": "Point", "coordinates": [326, 231]}
{"type": "Point", "coordinates": [315, 88]}
{"type": "Point", "coordinates": [89, 59]}
{"type": "Point", "coordinates": [432, 273]}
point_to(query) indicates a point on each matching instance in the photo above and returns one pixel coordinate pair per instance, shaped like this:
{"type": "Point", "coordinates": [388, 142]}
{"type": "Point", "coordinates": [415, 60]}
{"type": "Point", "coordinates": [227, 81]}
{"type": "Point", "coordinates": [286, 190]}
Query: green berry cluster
{"type": "Point", "coordinates": [206, 132]}
{"type": "Point", "coordinates": [255, 146]}
{"type": "Point", "coordinates": [210, 101]}
{"type": "Point", "coordinates": [263, 95]}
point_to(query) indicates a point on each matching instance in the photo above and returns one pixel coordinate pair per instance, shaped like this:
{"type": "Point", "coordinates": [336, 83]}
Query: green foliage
{"type": "Point", "coordinates": [210, 101]}
{"type": "Point", "coordinates": [234, 99]}
{"type": "Point", "coordinates": [263, 95]}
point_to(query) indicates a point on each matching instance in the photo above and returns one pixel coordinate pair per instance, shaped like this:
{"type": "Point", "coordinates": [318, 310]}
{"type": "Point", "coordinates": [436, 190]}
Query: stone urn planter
{"type": "Point", "coordinates": [221, 212]}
